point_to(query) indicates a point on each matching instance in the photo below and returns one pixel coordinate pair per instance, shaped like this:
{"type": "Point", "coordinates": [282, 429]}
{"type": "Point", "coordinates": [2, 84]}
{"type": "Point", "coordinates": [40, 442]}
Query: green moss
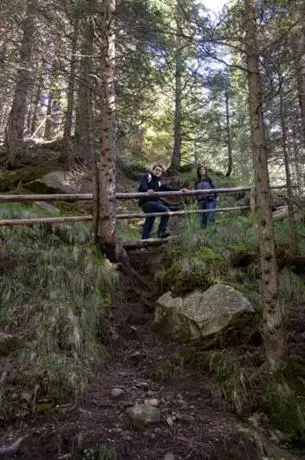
{"type": "Point", "coordinates": [191, 269]}
{"type": "Point", "coordinates": [9, 180]}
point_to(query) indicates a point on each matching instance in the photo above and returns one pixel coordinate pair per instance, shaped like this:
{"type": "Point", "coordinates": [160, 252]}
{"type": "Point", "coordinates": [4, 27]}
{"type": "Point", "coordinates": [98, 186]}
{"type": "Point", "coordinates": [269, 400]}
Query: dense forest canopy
{"type": "Point", "coordinates": [181, 81]}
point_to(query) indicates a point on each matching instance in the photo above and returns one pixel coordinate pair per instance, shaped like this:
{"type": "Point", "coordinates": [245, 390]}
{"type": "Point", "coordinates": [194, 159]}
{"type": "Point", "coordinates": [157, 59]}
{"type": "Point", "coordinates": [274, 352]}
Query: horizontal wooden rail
{"type": "Point", "coordinates": [61, 220]}
{"type": "Point", "coordinates": [44, 220]}
{"type": "Point", "coordinates": [178, 213]}
{"type": "Point", "coordinates": [46, 197]}
{"type": "Point", "coordinates": [245, 188]}
{"type": "Point", "coordinates": [121, 196]}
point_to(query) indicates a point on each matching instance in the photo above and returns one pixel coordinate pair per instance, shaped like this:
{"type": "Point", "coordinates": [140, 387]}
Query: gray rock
{"type": "Point", "coordinates": [54, 182]}
{"type": "Point", "coordinates": [47, 207]}
{"type": "Point", "coordinates": [152, 402]}
{"type": "Point", "coordinates": [143, 385]}
{"type": "Point", "coordinates": [203, 315]}
{"type": "Point", "coordinates": [144, 414]}
{"type": "Point", "coordinates": [169, 456]}
{"type": "Point", "coordinates": [117, 393]}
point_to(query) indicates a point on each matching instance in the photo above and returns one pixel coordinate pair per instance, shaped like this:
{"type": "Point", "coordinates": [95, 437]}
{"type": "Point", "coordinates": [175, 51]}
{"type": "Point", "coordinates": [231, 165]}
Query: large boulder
{"type": "Point", "coordinates": [61, 182]}
{"type": "Point", "coordinates": [203, 315]}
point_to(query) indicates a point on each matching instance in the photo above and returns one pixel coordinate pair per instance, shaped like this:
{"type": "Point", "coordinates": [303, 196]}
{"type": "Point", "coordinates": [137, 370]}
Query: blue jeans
{"type": "Point", "coordinates": [154, 206]}
{"type": "Point", "coordinates": [207, 217]}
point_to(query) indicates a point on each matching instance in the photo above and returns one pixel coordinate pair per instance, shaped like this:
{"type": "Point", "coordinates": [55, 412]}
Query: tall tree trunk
{"type": "Point", "coordinates": [292, 223]}
{"type": "Point", "coordinates": [228, 129]}
{"type": "Point", "coordinates": [83, 127]}
{"type": "Point", "coordinates": [272, 315]}
{"type": "Point", "coordinates": [107, 163]}
{"type": "Point", "coordinates": [70, 94]}
{"type": "Point", "coordinates": [176, 155]}
{"type": "Point", "coordinates": [294, 153]}
{"type": "Point", "coordinates": [16, 121]}
{"type": "Point", "coordinates": [49, 126]}
{"type": "Point", "coordinates": [33, 116]}
{"type": "Point", "coordinates": [298, 47]}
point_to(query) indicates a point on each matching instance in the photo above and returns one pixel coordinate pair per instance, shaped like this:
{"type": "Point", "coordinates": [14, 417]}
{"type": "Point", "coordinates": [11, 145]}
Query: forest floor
{"type": "Point", "coordinates": [194, 421]}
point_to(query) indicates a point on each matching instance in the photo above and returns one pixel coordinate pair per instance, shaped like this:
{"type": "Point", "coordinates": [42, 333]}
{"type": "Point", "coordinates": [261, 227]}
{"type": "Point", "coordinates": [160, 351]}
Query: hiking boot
{"type": "Point", "coordinates": [164, 235]}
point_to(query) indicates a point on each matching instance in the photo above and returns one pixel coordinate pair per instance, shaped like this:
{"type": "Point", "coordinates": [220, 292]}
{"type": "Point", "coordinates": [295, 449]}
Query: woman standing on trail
{"type": "Point", "coordinates": [206, 201]}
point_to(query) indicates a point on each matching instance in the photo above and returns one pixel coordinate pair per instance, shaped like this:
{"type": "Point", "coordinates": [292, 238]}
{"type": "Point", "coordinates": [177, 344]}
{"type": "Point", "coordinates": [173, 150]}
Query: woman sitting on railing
{"type": "Point", "coordinates": [206, 201]}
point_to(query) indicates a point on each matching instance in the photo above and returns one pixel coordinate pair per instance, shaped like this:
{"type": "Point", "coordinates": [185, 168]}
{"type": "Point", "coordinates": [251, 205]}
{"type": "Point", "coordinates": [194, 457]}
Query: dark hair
{"type": "Point", "coordinates": [206, 171]}
{"type": "Point", "coordinates": [158, 166]}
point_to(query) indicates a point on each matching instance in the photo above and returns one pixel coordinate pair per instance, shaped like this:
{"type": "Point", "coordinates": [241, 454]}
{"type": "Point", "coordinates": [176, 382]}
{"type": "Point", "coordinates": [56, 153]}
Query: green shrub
{"type": "Point", "coordinates": [58, 306]}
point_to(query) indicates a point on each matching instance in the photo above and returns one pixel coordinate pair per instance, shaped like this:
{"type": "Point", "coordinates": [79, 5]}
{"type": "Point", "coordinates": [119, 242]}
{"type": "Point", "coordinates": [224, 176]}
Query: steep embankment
{"type": "Point", "coordinates": [184, 415]}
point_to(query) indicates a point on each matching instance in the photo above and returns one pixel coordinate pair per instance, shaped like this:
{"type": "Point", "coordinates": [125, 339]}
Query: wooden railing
{"type": "Point", "coordinates": [4, 198]}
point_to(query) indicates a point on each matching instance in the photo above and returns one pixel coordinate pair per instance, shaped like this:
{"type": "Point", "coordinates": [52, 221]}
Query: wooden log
{"type": "Point", "coordinates": [88, 196]}
{"type": "Point", "coordinates": [280, 213]}
{"type": "Point", "coordinates": [46, 197]}
{"type": "Point", "coordinates": [139, 244]}
{"type": "Point", "coordinates": [86, 218]}
{"type": "Point", "coordinates": [243, 188]}
{"type": "Point", "coordinates": [44, 220]}
{"type": "Point", "coordinates": [178, 213]}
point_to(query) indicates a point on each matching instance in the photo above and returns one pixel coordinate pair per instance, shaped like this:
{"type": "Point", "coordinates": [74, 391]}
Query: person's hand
{"type": "Point", "coordinates": [150, 191]}
{"type": "Point", "coordinates": [184, 190]}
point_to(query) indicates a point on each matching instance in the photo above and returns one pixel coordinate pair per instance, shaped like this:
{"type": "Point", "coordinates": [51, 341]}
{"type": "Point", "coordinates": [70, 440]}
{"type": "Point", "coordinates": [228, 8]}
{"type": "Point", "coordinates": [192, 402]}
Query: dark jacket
{"type": "Point", "coordinates": [149, 181]}
{"type": "Point", "coordinates": [205, 184]}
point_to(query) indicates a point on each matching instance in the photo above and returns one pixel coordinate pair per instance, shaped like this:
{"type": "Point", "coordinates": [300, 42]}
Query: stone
{"type": "Point", "coordinates": [117, 393]}
{"type": "Point", "coordinates": [53, 182]}
{"type": "Point", "coordinates": [203, 314]}
{"type": "Point", "coordinates": [8, 343]}
{"type": "Point", "coordinates": [152, 402]}
{"type": "Point", "coordinates": [143, 385]}
{"type": "Point", "coordinates": [47, 207]}
{"type": "Point", "coordinates": [144, 414]}
{"type": "Point", "coordinates": [169, 456]}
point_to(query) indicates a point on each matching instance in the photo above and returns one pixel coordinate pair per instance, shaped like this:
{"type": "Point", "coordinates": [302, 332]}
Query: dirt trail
{"type": "Point", "coordinates": [193, 424]}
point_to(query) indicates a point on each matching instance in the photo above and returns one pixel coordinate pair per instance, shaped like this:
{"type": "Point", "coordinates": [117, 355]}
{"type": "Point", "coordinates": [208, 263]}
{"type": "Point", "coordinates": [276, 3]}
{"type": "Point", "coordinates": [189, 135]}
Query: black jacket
{"type": "Point", "coordinates": [149, 181]}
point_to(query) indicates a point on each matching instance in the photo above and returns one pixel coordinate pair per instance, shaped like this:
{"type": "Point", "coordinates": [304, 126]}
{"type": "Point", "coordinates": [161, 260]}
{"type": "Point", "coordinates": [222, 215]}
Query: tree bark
{"type": "Point", "coordinates": [272, 315]}
{"type": "Point", "coordinates": [49, 126]}
{"type": "Point", "coordinates": [17, 116]}
{"type": "Point", "coordinates": [298, 47]}
{"type": "Point", "coordinates": [70, 94]}
{"type": "Point", "coordinates": [228, 129]}
{"type": "Point", "coordinates": [34, 115]}
{"type": "Point", "coordinates": [82, 126]}
{"type": "Point", "coordinates": [176, 155]}
{"type": "Point", "coordinates": [107, 163]}
{"type": "Point", "coordinates": [291, 216]}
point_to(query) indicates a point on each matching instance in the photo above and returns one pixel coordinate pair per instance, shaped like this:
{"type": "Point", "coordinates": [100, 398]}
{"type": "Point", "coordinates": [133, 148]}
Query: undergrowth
{"type": "Point", "coordinates": [55, 299]}
{"type": "Point", "coordinates": [200, 258]}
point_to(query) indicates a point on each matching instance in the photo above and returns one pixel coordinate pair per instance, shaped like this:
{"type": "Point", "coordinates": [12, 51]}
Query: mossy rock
{"type": "Point", "coordinates": [9, 180]}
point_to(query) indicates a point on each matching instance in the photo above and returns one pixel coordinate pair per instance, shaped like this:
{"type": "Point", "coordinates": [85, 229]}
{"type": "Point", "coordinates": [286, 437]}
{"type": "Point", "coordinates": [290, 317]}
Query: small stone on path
{"type": "Point", "coordinates": [152, 402]}
{"type": "Point", "coordinates": [169, 456]}
{"type": "Point", "coordinates": [144, 414]}
{"type": "Point", "coordinates": [117, 392]}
